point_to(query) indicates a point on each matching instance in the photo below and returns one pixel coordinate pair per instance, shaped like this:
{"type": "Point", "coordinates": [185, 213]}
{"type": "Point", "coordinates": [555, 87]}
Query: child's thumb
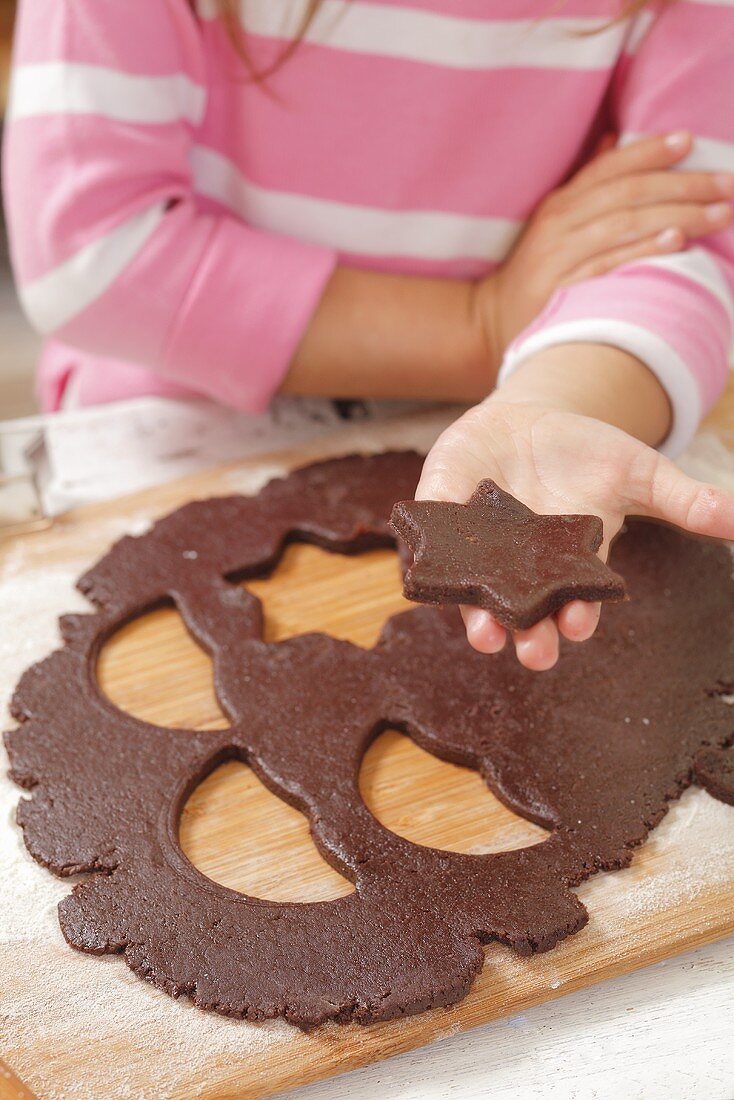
{"type": "Point", "coordinates": [693, 505]}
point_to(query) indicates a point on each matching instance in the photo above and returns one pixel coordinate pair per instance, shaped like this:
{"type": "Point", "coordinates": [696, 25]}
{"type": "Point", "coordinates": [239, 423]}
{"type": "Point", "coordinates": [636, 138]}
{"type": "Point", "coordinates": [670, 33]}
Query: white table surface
{"type": "Point", "coordinates": [664, 1033]}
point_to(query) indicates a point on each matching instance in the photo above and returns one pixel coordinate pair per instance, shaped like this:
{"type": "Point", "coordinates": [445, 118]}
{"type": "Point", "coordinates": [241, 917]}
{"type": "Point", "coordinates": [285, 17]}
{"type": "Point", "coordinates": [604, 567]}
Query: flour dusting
{"type": "Point", "coordinates": [65, 1017]}
{"type": "Point", "coordinates": [689, 854]}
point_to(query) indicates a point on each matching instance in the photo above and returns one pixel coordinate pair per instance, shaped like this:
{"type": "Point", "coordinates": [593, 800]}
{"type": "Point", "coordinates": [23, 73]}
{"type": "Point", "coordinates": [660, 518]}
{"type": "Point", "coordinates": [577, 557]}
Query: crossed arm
{"type": "Point", "coordinates": [396, 336]}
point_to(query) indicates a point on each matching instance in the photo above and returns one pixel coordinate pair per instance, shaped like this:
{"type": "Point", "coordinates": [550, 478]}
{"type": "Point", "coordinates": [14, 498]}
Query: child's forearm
{"type": "Point", "coordinates": [393, 336]}
{"type": "Point", "coordinates": [594, 380]}
{"type": "Point", "coordinates": [379, 335]}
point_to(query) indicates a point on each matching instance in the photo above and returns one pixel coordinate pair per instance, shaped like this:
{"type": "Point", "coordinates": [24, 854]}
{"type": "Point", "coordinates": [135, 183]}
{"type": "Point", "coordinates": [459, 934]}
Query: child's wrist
{"type": "Point", "coordinates": [542, 380]}
{"type": "Point", "coordinates": [484, 322]}
{"type": "Point", "coordinates": [593, 380]}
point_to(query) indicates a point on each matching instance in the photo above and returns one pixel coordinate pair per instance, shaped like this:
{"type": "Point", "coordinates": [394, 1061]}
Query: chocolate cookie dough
{"type": "Point", "coordinates": [495, 553]}
{"type": "Point", "coordinates": [593, 750]}
{"type": "Point", "coordinates": [715, 773]}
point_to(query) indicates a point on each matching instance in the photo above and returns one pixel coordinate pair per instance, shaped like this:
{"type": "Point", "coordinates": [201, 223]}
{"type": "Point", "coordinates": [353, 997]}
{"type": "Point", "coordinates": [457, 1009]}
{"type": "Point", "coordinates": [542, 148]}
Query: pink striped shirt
{"type": "Point", "coordinates": [173, 224]}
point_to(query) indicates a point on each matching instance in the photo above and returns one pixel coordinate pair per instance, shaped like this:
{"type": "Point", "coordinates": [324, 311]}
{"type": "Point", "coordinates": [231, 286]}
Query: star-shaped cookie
{"type": "Point", "coordinates": [495, 553]}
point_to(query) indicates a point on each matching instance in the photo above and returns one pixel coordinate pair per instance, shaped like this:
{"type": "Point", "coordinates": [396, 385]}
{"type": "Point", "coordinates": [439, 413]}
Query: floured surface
{"type": "Point", "coordinates": [62, 1014]}
{"type": "Point", "coordinates": [53, 1001]}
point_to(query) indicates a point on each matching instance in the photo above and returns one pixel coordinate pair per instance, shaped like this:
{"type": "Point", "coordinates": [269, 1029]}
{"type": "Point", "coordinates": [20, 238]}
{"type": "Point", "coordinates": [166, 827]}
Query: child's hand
{"type": "Point", "coordinates": [623, 205]}
{"type": "Point", "coordinates": [557, 461]}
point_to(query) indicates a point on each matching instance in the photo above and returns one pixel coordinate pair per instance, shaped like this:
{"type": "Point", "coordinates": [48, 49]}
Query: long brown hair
{"type": "Point", "coordinates": [228, 11]}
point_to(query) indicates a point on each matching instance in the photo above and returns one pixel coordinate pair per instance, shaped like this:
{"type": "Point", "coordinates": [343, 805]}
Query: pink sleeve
{"type": "Point", "coordinates": [111, 251]}
{"type": "Point", "coordinates": [675, 313]}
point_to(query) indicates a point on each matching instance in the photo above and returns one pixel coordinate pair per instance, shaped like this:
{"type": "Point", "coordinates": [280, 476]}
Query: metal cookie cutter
{"type": "Point", "coordinates": [21, 505]}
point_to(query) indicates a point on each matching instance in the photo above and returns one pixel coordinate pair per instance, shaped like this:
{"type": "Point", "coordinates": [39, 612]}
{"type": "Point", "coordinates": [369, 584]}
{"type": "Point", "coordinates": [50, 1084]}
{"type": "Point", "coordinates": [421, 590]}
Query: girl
{"type": "Point", "coordinates": [402, 204]}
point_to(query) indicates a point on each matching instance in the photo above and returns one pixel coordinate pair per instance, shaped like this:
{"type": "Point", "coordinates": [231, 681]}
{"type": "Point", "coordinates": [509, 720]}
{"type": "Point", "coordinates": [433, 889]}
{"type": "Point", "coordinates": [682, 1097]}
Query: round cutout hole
{"type": "Point", "coordinates": [437, 804]}
{"type": "Point", "coordinates": [238, 833]}
{"type": "Point", "coordinates": [153, 669]}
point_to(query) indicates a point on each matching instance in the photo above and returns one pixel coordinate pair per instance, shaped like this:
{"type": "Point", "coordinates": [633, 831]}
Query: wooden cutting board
{"type": "Point", "coordinates": [677, 895]}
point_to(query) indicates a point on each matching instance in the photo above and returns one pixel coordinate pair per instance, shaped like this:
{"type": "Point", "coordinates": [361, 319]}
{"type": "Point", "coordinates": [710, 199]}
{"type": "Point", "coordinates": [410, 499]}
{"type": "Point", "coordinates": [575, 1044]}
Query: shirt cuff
{"type": "Point", "coordinates": [245, 313]}
{"type": "Point", "coordinates": [676, 328]}
{"type": "Point", "coordinates": [659, 357]}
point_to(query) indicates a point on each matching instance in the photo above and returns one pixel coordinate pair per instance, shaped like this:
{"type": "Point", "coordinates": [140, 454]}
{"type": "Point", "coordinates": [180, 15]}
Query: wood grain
{"type": "Point", "coordinates": [10, 1087]}
{"type": "Point", "coordinates": [7, 20]}
{"type": "Point", "coordinates": [240, 834]}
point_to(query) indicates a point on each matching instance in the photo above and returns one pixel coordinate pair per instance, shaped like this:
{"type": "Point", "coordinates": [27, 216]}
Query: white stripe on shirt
{"type": "Point", "coordinates": [71, 88]}
{"type": "Point", "coordinates": [639, 31]}
{"type": "Point", "coordinates": [52, 300]}
{"type": "Point", "coordinates": [698, 266]}
{"type": "Point", "coordinates": [433, 38]}
{"type": "Point", "coordinates": [348, 227]}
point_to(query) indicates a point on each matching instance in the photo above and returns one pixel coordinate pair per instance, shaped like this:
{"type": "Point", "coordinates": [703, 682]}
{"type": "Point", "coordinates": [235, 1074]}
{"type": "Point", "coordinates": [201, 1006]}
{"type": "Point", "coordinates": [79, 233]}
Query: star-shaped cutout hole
{"type": "Point", "coordinates": [495, 553]}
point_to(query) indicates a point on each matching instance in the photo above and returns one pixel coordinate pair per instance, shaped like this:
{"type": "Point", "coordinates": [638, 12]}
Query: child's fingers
{"type": "Point", "coordinates": [651, 189]}
{"type": "Point", "coordinates": [627, 226]}
{"type": "Point", "coordinates": [483, 632]}
{"type": "Point", "coordinates": [537, 648]}
{"type": "Point", "coordinates": [670, 240]}
{"type": "Point", "coordinates": [645, 155]}
{"type": "Point", "coordinates": [578, 620]}
{"type": "Point", "coordinates": [661, 229]}
{"type": "Point", "coordinates": [666, 493]}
